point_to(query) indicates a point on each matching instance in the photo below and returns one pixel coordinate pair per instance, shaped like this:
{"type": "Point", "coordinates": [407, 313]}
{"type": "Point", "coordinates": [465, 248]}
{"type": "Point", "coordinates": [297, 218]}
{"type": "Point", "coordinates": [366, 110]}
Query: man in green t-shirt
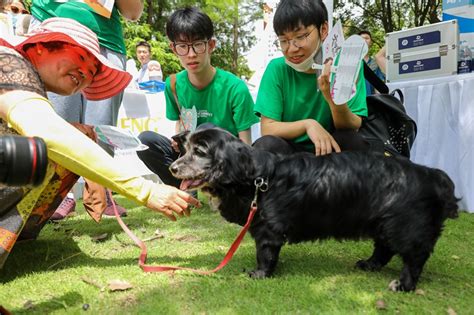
{"type": "Point", "coordinates": [205, 96]}
{"type": "Point", "coordinates": [294, 101]}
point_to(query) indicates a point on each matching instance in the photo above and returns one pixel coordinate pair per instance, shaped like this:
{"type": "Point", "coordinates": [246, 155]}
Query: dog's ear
{"type": "Point", "coordinates": [233, 162]}
{"type": "Point", "coordinates": [181, 139]}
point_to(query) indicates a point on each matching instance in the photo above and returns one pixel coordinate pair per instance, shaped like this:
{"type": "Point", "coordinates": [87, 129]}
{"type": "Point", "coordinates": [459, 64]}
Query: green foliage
{"type": "Point", "coordinates": [160, 50]}
{"type": "Point", "coordinates": [27, 3]}
{"type": "Point", "coordinates": [381, 17]}
{"type": "Point", "coordinates": [65, 269]}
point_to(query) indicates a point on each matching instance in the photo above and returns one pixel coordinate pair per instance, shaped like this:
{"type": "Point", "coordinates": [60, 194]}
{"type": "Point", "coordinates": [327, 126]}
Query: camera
{"type": "Point", "coordinates": [23, 160]}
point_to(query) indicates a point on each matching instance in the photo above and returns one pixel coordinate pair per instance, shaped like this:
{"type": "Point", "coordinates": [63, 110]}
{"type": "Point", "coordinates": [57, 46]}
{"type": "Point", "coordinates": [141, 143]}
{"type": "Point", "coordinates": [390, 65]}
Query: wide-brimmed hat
{"type": "Point", "coordinates": [109, 79]}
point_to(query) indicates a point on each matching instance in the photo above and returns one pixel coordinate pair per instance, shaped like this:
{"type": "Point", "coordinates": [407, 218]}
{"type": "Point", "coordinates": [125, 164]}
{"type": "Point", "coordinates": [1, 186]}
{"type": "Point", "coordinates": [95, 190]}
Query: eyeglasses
{"type": "Point", "coordinates": [17, 10]}
{"type": "Point", "coordinates": [298, 42]}
{"type": "Point", "coordinates": [182, 49]}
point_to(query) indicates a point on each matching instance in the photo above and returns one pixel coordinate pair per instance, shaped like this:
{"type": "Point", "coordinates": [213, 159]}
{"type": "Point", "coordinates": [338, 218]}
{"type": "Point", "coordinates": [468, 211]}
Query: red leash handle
{"type": "Point", "coordinates": [149, 268]}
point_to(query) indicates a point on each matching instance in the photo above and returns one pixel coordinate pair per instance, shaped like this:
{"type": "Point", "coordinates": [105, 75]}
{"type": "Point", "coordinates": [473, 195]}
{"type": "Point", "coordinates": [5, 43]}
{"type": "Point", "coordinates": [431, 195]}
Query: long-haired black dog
{"type": "Point", "coordinates": [349, 195]}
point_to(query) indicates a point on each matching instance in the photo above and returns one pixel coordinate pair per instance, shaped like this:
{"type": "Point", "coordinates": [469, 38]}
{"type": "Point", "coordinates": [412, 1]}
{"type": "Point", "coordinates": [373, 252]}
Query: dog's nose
{"type": "Point", "coordinates": [173, 168]}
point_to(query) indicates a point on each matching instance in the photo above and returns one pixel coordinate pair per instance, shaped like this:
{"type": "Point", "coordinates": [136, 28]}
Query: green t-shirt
{"type": "Point", "coordinates": [225, 102]}
{"type": "Point", "coordinates": [109, 31]}
{"type": "Point", "coordinates": [288, 95]}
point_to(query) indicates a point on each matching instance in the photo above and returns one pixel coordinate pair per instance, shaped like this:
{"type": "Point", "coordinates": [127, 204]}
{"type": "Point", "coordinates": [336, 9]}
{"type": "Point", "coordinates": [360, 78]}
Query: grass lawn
{"type": "Point", "coordinates": [69, 268]}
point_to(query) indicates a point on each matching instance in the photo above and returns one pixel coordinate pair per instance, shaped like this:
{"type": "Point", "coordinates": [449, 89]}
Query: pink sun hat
{"type": "Point", "coordinates": [109, 79]}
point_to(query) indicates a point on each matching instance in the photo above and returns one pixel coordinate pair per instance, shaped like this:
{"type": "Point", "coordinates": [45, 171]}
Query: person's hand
{"type": "Point", "coordinates": [323, 80]}
{"type": "Point", "coordinates": [175, 146]}
{"type": "Point", "coordinates": [324, 143]}
{"type": "Point", "coordinates": [171, 201]}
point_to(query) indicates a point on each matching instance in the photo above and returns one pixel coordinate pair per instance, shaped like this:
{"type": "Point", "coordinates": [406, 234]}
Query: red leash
{"type": "Point", "coordinates": [260, 184]}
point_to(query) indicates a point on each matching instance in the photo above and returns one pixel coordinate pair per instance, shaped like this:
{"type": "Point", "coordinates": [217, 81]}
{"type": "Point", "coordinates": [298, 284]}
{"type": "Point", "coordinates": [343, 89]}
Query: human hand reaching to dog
{"type": "Point", "coordinates": [324, 143]}
{"type": "Point", "coordinates": [171, 201]}
{"type": "Point", "coordinates": [175, 146]}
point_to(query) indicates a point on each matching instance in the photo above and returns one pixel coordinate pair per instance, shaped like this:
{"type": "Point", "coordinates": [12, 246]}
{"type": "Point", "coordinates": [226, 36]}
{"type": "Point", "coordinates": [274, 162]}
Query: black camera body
{"type": "Point", "coordinates": [23, 160]}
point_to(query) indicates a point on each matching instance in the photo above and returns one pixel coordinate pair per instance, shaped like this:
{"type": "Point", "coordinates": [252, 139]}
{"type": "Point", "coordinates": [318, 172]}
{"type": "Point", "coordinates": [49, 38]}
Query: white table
{"type": "Point", "coordinates": [142, 111]}
{"type": "Point", "coordinates": [443, 109]}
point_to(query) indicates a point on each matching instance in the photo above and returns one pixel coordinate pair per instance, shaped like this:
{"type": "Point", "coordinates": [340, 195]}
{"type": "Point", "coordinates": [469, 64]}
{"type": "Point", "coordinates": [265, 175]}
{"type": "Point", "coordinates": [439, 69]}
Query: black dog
{"type": "Point", "coordinates": [349, 195]}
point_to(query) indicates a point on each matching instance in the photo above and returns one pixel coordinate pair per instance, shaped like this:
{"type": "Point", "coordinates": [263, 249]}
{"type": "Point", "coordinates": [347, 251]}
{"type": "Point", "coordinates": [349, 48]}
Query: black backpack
{"type": "Point", "coordinates": [387, 128]}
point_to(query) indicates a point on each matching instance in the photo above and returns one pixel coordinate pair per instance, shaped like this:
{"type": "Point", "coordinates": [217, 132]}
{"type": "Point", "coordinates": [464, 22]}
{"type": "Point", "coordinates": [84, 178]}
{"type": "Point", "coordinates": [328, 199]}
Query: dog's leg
{"type": "Point", "coordinates": [380, 257]}
{"type": "Point", "coordinates": [413, 264]}
{"type": "Point", "coordinates": [268, 250]}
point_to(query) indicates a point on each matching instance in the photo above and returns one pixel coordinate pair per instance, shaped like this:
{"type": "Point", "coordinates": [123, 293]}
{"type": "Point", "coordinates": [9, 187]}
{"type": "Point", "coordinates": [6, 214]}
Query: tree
{"type": "Point", "coordinates": [385, 16]}
{"type": "Point", "coordinates": [233, 21]}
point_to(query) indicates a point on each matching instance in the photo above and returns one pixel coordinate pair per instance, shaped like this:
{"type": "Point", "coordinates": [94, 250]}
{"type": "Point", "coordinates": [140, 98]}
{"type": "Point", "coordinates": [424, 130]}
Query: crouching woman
{"type": "Point", "coordinates": [25, 110]}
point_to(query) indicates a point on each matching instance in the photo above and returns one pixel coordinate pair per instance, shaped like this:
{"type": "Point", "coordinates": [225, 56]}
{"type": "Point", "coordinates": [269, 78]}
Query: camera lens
{"type": "Point", "coordinates": [23, 160]}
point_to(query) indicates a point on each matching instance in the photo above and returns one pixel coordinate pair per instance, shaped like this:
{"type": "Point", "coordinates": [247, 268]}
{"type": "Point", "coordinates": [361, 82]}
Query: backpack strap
{"type": "Point", "coordinates": [173, 90]}
{"type": "Point", "coordinates": [373, 79]}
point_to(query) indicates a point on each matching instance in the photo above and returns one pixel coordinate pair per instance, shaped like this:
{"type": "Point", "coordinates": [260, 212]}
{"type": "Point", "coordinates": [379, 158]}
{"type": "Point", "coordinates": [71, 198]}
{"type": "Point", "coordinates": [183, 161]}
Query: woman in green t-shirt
{"type": "Point", "coordinates": [295, 104]}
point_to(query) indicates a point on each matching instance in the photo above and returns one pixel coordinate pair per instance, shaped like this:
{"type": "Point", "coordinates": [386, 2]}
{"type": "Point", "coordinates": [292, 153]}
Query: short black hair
{"type": "Point", "coordinates": [290, 14]}
{"type": "Point", "coordinates": [189, 23]}
{"type": "Point", "coordinates": [365, 32]}
{"type": "Point", "coordinates": [145, 44]}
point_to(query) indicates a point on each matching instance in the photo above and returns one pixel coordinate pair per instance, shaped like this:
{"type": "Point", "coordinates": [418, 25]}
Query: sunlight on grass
{"type": "Point", "coordinates": [67, 270]}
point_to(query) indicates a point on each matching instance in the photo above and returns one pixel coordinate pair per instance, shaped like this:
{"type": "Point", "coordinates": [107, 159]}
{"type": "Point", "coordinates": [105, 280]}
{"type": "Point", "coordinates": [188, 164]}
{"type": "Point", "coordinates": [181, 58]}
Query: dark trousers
{"type": "Point", "coordinates": [348, 140]}
{"type": "Point", "coordinates": [160, 154]}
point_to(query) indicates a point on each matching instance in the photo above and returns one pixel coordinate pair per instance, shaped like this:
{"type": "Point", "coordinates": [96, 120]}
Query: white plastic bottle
{"type": "Point", "coordinates": [465, 58]}
{"type": "Point", "coordinates": [154, 69]}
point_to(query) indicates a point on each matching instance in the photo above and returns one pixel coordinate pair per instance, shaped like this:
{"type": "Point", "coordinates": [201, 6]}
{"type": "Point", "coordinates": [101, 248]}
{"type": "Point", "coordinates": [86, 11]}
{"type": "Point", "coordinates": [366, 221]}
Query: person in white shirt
{"type": "Point", "coordinates": [150, 69]}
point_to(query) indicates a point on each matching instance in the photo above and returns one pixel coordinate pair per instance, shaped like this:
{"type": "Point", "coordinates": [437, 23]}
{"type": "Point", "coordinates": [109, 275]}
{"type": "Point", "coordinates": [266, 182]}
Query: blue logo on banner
{"type": "Point", "coordinates": [419, 40]}
{"type": "Point", "coordinates": [419, 65]}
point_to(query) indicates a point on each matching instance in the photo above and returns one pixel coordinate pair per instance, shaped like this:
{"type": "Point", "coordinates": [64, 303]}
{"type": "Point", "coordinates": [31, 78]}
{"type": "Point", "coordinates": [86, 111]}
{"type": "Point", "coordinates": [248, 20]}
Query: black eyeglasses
{"type": "Point", "coordinates": [182, 49]}
{"type": "Point", "coordinates": [298, 42]}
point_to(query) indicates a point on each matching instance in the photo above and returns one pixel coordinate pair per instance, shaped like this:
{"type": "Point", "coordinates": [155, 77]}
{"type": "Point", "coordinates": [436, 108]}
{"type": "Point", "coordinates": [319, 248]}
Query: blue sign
{"type": "Point", "coordinates": [419, 65]}
{"type": "Point", "coordinates": [419, 40]}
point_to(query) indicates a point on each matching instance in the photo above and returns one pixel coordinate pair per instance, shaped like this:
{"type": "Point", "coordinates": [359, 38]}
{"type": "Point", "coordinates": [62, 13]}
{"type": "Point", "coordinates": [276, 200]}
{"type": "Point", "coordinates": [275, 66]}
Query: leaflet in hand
{"type": "Point", "coordinates": [343, 86]}
{"type": "Point", "coordinates": [333, 42]}
{"type": "Point", "coordinates": [118, 138]}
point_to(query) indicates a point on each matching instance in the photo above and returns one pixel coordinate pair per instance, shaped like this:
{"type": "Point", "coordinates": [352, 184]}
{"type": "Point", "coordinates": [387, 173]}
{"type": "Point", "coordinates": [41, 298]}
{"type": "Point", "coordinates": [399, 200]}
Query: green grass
{"type": "Point", "coordinates": [47, 276]}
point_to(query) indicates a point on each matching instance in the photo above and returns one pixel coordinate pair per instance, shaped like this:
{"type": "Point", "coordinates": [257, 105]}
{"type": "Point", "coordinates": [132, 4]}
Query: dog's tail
{"type": "Point", "coordinates": [445, 193]}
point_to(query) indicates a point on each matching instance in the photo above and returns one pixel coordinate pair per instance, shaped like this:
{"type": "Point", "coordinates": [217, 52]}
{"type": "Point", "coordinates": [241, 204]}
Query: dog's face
{"type": "Point", "coordinates": [209, 157]}
{"type": "Point", "coordinates": [213, 157]}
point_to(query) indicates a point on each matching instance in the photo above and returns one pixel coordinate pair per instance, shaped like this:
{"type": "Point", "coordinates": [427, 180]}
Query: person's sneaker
{"type": "Point", "coordinates": [65, 209]}
{"type": "Point", "coordinates": [109, 211]}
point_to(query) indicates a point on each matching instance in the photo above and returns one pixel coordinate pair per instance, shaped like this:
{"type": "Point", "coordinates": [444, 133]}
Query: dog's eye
{"type": "Point", "coordinates": [199, 151]}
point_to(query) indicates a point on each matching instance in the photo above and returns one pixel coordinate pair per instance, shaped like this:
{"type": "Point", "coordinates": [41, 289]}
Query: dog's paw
{"type": "Point", "coordinates": [397, 286]}
{"type": "Point", "coordinates": [394, 285]}
{"type": "Point", "coordinates": [367, 265]}
{"type": "Point", "coordinates": [257, 274]}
